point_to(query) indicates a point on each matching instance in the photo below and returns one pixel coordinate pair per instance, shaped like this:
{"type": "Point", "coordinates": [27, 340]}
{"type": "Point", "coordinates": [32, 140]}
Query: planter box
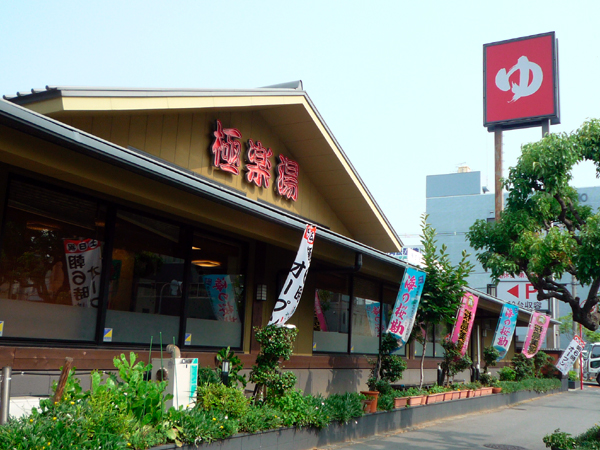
{"type": "Point", "coordinates": [470, 393]}
{"type": "Point", "coordinates": [372, 395]}
{"type": "Point", "coordinates": [447, 396]}
{"type": "Point", "coordinates": [400, 402]}
{"type": "Point", "coordinates": [455, 395]}
{"type": "Point", "coordinates": [415, 400]}
{"type": "Point", "coordinates": [434, 398]}
{"type": "Point", "coordinates": [486, 391]}
{"type": "Point", "coordinates": [463, 394]}
{"type": "Point", "coordinates": [496, 390]}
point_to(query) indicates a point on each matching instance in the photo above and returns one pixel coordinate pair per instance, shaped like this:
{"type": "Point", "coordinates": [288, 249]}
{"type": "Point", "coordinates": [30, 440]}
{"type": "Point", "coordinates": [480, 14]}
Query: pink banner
{"type": "Point", "coordinates": [464, 322]}
{"type": "Point", "coordinates": [536, 334]}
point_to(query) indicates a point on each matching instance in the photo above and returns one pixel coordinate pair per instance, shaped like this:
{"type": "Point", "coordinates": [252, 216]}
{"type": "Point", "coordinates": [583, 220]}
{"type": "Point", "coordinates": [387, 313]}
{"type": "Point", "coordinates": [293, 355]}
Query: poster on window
{"type": "Point", "coordinates": [373, 312]}
{"type": "Point", "coordinates": [407, 303]}
{"type": "Point", "coordinates": [505, 329]}
{"type": "Point", "coordinates": [570, 355]}
{"type": "Point", "coordinates": [536, 334]}
{"type": "Point", "coordinates": [221, 291]}
{"type": "Point", "coordinates": [464, 322]}
{"type": "Point", "coordinates": [84, 265]}
{"type": "Point", "coordinates": [321, 324]}
{"type": "Point", "coordinates": [294, 283]}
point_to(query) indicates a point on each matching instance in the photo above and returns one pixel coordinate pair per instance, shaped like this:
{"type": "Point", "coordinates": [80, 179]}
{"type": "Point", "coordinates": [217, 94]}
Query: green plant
{"type": "Point", "coordinates": [385, 402]}
{"type": "Point", "coordinates": [261, 416]}
{"type": "Point", "coordinates": [539, 385]}
{"type": "Point", "coordinates": [523, 367]}
{"type": "Point", "coordinates": [507, 374]}
{"type": "Point", "coordinates": [234, 367]}
{"type": "Point", "coordinates": [276, 345]}
{"type": "Point", "coordinates": [198, 426]}
{"type": "Point", "coordinates": [590, 440]}
{"type": "Point", "coordinates": [388, 367]}
{"type": "Point", "coordinates": [454, 362]}
{"type": "Point", "coordinates": [573, 376]}
{"type": "Point", "coordinates": [206, 375]}
{"type": "Point", "coordinates": [344, 407]}
{"type": "Point", "coordinates": [230, 401]}
{"type": "Point", "coordinates": [411, 392]}
{"type": "Point", "coordinates": [300, 410]}
{"type": "Point", "coordinates": [542, 365]}
{"type": "Point", "coordinates": [490, 357]}
{"type": "Point", "coordinates": [436, 389]}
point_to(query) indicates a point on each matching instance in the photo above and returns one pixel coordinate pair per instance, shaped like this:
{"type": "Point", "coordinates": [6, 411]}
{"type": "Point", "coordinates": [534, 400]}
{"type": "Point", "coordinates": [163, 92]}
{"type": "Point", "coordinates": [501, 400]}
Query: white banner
{"type": "Point", "coordinates": [570, 355]}
{"type": "Point", "coordinates": [84, 265]}
{"type": "Point", "coordinates": [294, 283]}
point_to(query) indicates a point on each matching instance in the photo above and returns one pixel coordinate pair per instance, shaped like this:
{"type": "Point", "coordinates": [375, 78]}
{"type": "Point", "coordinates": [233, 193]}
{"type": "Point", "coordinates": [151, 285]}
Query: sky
{"type": "Point", "coordinates": [399, 83]}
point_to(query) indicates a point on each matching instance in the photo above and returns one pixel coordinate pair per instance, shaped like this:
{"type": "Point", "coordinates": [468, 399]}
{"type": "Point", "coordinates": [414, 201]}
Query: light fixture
{"type": "Point", "coordinates": [41, 226]}
{"type": "Point", "coordinates": [261, 292]}
{"type": "Point", "coordinates": [206, 263]}
{"type": "Point", "coordinates": [225, 371]}
{"type": "Point", "coordinates": [196, 248]}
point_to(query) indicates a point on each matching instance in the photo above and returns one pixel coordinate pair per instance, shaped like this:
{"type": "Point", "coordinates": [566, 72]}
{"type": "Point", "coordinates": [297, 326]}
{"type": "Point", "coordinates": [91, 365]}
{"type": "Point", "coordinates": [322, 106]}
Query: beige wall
{"type": "Point", "coordinates": [185, 139]}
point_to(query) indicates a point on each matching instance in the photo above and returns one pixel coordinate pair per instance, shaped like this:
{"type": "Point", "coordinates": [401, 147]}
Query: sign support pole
{"type": "Point", "coordinates": [498, 172]}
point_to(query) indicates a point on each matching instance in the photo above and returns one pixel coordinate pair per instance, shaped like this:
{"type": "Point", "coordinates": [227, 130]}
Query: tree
{"type": "Point", "coordinates": [544, 231]}
{"type": "Point", "coordinates": [443, 289]}
{"type": "Point", "coordinates": [566, 328]}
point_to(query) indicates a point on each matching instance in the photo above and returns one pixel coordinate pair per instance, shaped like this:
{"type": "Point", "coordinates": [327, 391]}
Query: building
{"type": "Point", "coordinates": [198, 198]}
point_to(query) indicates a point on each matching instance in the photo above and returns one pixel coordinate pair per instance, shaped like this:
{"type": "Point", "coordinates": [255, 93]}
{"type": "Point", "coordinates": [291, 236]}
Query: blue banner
{"type": "Point", "coordinates": [407, 303]}
{"type": "Point", "coordinates": [505, 329]}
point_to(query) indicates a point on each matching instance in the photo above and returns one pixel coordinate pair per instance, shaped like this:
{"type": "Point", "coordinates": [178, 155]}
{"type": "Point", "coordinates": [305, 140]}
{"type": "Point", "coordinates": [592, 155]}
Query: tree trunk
{"type": "Point", "coordinates": [423, 358]}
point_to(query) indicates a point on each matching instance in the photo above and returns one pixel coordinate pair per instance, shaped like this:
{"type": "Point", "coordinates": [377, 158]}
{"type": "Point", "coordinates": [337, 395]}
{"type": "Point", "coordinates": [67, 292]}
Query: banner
{"type": "Point", "coordinates": [538, 325]}
{"type": "Point", "coordinates": [222, 297]}
{"type": "Point", "coordinates": [84, 265]}
{"type": "Point", "coordinates": [373, 312]}
{"type": "Point", "coordinates": [570, 355]}
{"type": "Point", "coordinates": [294, 283]}
{"type": "Point", "coordinates": [464, 322]}
{"type": "Point", "coordinates": [407, 303]}
{"type": "Point", "coordinates": [505, 329]}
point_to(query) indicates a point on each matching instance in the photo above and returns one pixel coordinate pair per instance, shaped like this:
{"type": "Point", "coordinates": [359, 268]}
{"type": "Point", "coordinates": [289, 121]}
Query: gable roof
{"type": "Point", "coordinates": [286, 108]}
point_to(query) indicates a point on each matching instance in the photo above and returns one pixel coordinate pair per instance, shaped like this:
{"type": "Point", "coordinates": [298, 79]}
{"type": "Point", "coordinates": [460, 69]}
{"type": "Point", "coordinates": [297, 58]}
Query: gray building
{"type": "Point", "coordinates": [454, 202]}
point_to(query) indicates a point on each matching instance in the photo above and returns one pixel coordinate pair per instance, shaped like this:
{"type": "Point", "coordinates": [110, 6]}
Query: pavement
{"type": "Point", "coordinates": [517, 427]}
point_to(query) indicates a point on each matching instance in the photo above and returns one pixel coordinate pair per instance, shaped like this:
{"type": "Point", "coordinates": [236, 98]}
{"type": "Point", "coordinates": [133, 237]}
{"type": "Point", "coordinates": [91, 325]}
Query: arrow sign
{"type": "Point", "coordinates": [514, 291]}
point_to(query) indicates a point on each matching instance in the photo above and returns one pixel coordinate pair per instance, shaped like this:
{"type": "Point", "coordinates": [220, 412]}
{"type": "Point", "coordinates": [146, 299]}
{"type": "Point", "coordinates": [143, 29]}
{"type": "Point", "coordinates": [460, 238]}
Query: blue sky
{"type": "Point", "coordinates": [399, 83]}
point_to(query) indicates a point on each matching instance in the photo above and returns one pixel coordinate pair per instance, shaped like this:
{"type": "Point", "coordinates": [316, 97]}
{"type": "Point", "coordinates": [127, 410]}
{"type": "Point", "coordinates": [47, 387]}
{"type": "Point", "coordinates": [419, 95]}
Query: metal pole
{"type": "Point", "coordinates": [545, 127]}
{"type": "Point", "coordinates": [498, 172]}
{"type": "Point", "coordinates": [5, 394]}
{"type": "Point", "coordinates": [581, 360]}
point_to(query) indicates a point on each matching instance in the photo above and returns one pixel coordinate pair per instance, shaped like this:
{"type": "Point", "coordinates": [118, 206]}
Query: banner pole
{"type": "Point", "coordinates": [498, 172]}
{"type": "Point", "coordinates": [581, 361]}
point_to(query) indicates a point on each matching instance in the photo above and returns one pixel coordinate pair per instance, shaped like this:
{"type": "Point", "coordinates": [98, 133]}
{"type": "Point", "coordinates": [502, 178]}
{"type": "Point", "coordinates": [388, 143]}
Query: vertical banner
{"type": "Point", "coordinates": [294, 283]}
{"type": "Point", "coordinates": [373, 312]}
{"type": "Point", "coordinates": [464, 322]}
{"type": "Point", "coordinates": [538, 325]}
{"type": "Point", "coordinates": [84, 265]}
{"type": "Point", "coordinates": [570, 355]}
{"type": "Point", "coordinates": [222, 297]}
{"type": "Point", "coordinates": [505, 329]}
{"type": "Point", "coordinates": [407, 303]}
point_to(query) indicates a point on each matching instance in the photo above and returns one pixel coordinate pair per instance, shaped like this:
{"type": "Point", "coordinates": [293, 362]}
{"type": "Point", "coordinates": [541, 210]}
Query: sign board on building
{"type": "Point", "coordinates": [519, 291]}
{"type": "Point", "coordinates": [520, 82]}
{"type": "Point", "coordinates": [410, 255]}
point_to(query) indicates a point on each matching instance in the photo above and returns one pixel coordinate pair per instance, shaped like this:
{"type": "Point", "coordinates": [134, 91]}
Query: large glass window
{"type": "Point", "coordinates": [146, 277]}
{"type": "Point", "coordinates": [366, 316]}
{"type": "Point", "coordinates": [50, 264]}
{"type": "Point", "coordinates": [434, 349]}
{"type": "Point", "coordinates": [216, 296]}
{"type": "Point", "coordinates": [332, 313]}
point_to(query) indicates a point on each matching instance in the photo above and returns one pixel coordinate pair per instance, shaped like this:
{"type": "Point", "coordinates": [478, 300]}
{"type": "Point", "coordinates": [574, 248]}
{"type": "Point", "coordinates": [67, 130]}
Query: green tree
{"type": "Point", "coordinates": [544, 231]}
{"type": "Point", "coordinates": [566, 327]}
{"type": "Point", "coordinates": [443, 289]}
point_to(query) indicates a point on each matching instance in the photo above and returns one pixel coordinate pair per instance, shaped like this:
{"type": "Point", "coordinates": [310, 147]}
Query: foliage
{"type": "Point", "coordinates": [522, 366]}
{"type": "Point", "coordinates": [443, 289]}
{"type": "Point", "coordinates": [539, 385]}
{"type": "Point", "coordinates": [490, 357]}
{"type": "Point", "coordinates": [259, 417]}
{"type": "Point", "coordinates": [198, 425]}
{"type": "Point", "coordinates": [235, 365]}
{"type": "Point", "coordinates": [566, 327]}
{"type": "Point", "coordinates": [573, 376]}
{"type": "Point", "coordinates": [542, 365]}
{"type": "Point", "coordinates": [590, 440]}
{"type": "Point", "coordinates": [454, 362]}
{"type": "Point", "coordinates": [507, 374]}
{"type": "Point", "coordinates": [230, 401]}
{"type": "Point", "coordinates": [206, 375]}
{"type": "Point", "coordinates": [436, 389]}
{"type": "Point", "coordinates": [385, 402]}
{"type": "Point", "coordinates": [544, 231]}
{"type": "Point", "coordinates": [276, 345]}
{"type": "Point", "coordinates": [300, 410]}
{"type": "Point", "coordinates": [344, 407]}
{"type": "Point", "coordinates": [413, 391]}
{"type": "Point", "coordinates": [391, 367]}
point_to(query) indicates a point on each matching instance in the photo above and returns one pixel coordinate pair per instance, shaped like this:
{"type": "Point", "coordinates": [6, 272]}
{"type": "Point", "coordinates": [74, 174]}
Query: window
{"type": "Point", "coordinates": [366, 316]}
{"type": "Point", "coordinates": [146, 277]}
{"type": "Point", "coordinates": [51, 263]}
{"type": "Point", "coordinates": [332, 312]}
{"type": "Point", "coordinates": [216, 297]}
{"type": "Point", "coordinates": [389, 299]}
{"type": "Point", "coordinates": [434, 349]}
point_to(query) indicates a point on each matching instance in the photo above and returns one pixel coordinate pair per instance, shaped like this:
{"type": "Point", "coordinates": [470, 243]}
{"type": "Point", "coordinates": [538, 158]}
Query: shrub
{"type": "Point", "coordinates": [261, 417]}
{"type": "Point", "coordinates": [234, 368]}
{"type": "Point", "coordinates": [573, 376]}
{"type": "Point", "coordinates": [490, 357]}
{"type": "Point", "coordinates": [507, 374]}
{"type": "Point", "coordinates": [590, 439]}
{"type": "Point", "coordinates": [539, 385]}
{"type": "Point", "coordinates": [198, 425]}
{"type": "Point", "coordinates": [300, 410]}
{"type": "Point", "coordinates": [454, 362]}
{"type": "Point", "coordinates": [230, 401]}
{"type": "Point", "coordinates": [386, 401]}
{"type": "Point", "coordinates": [523, 367]}
{"type": "Point", "coordinates": [344, 407]}
{"type": "Point", "coordinates": [206, 375]}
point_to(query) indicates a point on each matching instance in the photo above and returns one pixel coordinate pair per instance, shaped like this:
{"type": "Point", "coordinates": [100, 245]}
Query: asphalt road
{"type": "Point", "coordinates": [521, 426]}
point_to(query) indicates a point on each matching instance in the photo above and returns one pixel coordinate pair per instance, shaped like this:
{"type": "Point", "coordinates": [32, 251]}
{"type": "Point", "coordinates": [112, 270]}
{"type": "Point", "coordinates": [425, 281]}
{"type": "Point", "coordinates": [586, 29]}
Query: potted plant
{"type": "Point", "coordinates": [436, 394]}
{"type": "Point", "coordinates": [573, 377]}
{"type": "Point", "coordinates": [415, 396]}
{"type": "Point", "coordinates": [401, 401]}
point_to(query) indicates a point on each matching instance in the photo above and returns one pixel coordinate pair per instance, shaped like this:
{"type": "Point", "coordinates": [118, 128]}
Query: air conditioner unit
{"type": "Point", "coordinates": [181, 375]}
